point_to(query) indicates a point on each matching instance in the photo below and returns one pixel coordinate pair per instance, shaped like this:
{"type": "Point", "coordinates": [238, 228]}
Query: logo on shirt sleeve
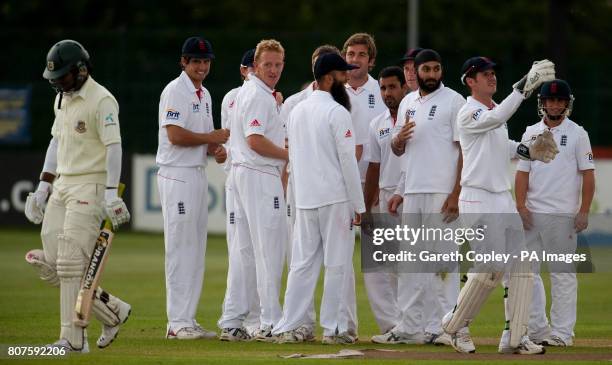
{"type": "Point", "coordinates": [172, 114]}
{"type": "Point", "coordinates": [589, 156]}
{"type": "Point", "coordinates": [348, 134]}
{"type": "Point", "coordinates": [255, 123]}
{"type": "Point", "coordinates": [109, 120]}
{"type": "Point", "coordinates": [476, 114]}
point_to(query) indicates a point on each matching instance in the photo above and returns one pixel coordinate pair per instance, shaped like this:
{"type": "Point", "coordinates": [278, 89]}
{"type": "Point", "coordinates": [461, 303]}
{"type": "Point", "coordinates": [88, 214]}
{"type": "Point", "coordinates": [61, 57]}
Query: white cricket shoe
{"type": "Point", "coordinates": [185, 333]}
{"type": "Point", "coordinates": [109, 333]}
{"type": "Point", "coordinates": [204, 333]}
{"type": "Point", "coordinates": [525, 347]}
{"type": "Point", "coordinates": [300, 334]}
{"type": "Point", "coordinates": [394, 338]}
{"type": "Point", "coordinates": [62, 343]}
{"type": "Point", "coordinates": [557, 341]}
{"type": "Point", "coordinates": [444, 339]}
{"type": "Point", "coordinates": [265, 335]}
{"type": "Point", "coordinates": [235, 335]}
{"type": "Point", "coordinates": [343, 338]}
{"type": "Point", "coordinates": [462, 342]}
{"type": "Point", "coordinates": [539, 336]}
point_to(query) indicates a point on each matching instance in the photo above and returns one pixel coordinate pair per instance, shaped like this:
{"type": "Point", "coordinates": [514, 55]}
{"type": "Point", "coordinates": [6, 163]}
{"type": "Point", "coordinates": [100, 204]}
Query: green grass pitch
{"type": "Point", "coordinates": [29, 312]}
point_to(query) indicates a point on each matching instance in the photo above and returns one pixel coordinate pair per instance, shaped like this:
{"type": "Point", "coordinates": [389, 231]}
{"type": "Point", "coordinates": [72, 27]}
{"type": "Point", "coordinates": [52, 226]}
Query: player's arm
{"type": "Point", "coordinates": [479, 120]}
{"type": "Point", "coordinates": [521, 185]}
{"type": "Point", "coordinates": [586, 166]}
{"type": "Point", "coordinates": [180, 136]}
{"type": "Point", "coordinates": [450, 208]}
{"type": "Point", "coordinates": [256, 118]}
{"type": "Point", "coordinates": [398, 143]}
{"type": "Point", "coordinates": [341, 122]}
{"type": "Point", "coordinates": [35, 202]}
{"type": "Point", "coordinates": [371, 184]}
{"type": "Point", "coordinates": [266, 148]}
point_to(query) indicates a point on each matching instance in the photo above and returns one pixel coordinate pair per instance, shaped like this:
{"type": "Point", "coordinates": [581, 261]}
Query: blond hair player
{"type": "Point", "coordinates": [85, 152]}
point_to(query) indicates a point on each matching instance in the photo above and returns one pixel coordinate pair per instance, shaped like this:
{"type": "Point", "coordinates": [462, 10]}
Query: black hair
{"type": "Point", "coordinates": [393, 71]}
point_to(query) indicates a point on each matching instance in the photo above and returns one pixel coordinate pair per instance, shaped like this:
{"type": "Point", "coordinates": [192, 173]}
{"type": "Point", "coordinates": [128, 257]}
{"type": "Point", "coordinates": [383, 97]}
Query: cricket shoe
{"type": "Point", "coordinates": [525, 347]}
{"type": "Point", "coordinates": [444, 339]}
{"type": "Point", "coordinates": [539, 336]}
{"type": "Point", "coordinates": [429, 337]}
{"type": "Point", "coordinates": [462, 342]}
{"type": "Point", "coordinates": [265, 335]}
{"type": "Point", "coordinates": [343, 338]}
{"type": "Point", "coordinates": [64, 346]}
{"type": "Point", "coordinates": [109, 333]}
{"type": "Point", "coordinates": [235, 335]}
{"type": "Point", "coordinates": [557, 341]}
{"type": "Point", "coordinates": [394, 338]}
{"type": "Point", "coordinates": [185, 333]}
{"type": "Point", "coordinates": [206, 334]}
{"type": "Point", "coordinates": [300, 334]}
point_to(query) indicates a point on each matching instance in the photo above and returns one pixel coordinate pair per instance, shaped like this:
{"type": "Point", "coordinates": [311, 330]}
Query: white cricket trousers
{"type": "Point", "coordinates": [554, 234]}
{"type": "Point", "coordinates": [261, 233]}
{"type": "Point", "coordinates": [241, 304]}
{"type": "Point", "coordinates": [382, 286]}
{"type": "Point", "coordinates": [325, 236]}
{"type": "Point", "coordinates": [183, 194]}
{"type": "Point", "coordinates": [425, 297]}
{"type": "Point", "coordinates": [311, 316]}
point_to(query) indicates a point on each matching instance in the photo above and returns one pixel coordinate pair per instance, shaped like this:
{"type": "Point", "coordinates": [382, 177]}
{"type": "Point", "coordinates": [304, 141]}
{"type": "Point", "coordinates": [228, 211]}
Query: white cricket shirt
{"type": "Point", "coordinates": [430, 158]}
{"type": "Point", "coordinates": [227, 108]}
{"type": "Point", "coordinates": [555, 187]}
{"type": "Point", "coordinates": [179, 105]}
{"type": "Point", "coordinates": [257, 112]}
{"type": "Point", "coordinates": [366, 104]}
{"type": "Point", "coordinates": [487, 151]}
{"type": "Point", "coordinates": [322, 154]}
{"type": "Point", "coordinates": [381, 131]}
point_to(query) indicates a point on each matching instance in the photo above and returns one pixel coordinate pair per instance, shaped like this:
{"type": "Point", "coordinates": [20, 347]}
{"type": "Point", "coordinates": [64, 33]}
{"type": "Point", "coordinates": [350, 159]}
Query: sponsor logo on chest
{"type": "Point", "coordinates": [384, 132]}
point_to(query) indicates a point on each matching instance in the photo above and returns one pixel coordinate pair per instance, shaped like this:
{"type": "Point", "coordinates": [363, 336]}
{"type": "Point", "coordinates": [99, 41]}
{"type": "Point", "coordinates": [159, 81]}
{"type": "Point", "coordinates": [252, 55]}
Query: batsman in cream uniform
{"type": "Point", "coordinates": [240, 311]}
{"type": "Point", "coordinates": [366, 103]}
{"type": "Point", "coordinates": [430, 197]}
{"type": "Point", "coordinates": [186, 136]}
{"type": "Point", "coordinates": [381, 181]}
{"type": "Point", "coordinates": [554, 201]}
{"type": "Point", "coordinates": [486, 202]}
{"type": "Point", "coordinates": [85, 152]}
{"type": "Point", "coordinates": [321, 144]}
{"type": "Point", "coordinates": [258, 156]}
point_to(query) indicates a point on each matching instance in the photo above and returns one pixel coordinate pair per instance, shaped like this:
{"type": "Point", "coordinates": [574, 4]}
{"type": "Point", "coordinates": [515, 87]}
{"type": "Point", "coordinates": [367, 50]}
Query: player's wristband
{"type": "Point", "coordinates": [523, 152]}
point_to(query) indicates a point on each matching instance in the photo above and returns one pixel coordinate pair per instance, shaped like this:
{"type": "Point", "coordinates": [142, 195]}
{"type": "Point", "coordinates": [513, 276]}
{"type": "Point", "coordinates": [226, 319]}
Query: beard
{"type": "Point", "coordinates": [338, 92]}
{"type": "Point", "coordinates": [427, 85]}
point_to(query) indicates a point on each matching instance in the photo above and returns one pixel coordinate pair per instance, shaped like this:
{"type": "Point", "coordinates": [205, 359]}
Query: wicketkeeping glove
{"type": "Point", "coordinates": [540, 72]}
{"type": "Point", "coordinates": [115, 208]}
{"type": "Point", "coordinates": [36, 202]}
{"type": "Point", "coordinates": [544, 148]}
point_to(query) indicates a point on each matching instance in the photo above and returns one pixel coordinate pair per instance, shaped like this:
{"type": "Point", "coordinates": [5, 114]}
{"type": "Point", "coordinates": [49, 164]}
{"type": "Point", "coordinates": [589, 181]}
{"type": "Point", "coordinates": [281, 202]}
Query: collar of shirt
{"type": "Point", "coordinates": [83, 91]}
{"type": "Point", "coordinates": [320, 94]}
{"type": "Point", "coordinates": [371, 85]}
{"type": "Point", "coordinates": [261, 84]}
{"type": "Point", "coordinates": [387, 115]}
{"type": "Point", "coordinates": [471, 100]}
{"type": "Point", "coordinates": [561, 127]}
{"type": "Point", "coordinates": [425, 98]}
{"type": "Point", "coordinates": [189, 85]}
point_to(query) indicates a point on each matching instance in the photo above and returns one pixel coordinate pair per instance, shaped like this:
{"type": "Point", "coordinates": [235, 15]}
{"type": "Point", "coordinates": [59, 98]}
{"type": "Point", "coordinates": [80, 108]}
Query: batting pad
{"type": "Point", "coordinates": [473, 295]}
{"type": "Point", "coordinates": [46, 272]}
{"type": "Point", "coordinates": [520, 291]}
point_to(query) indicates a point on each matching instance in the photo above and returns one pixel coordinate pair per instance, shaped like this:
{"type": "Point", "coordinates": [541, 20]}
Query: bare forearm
{"type": "Point", "coordinates": [186, 138]}
{"type": "Point", "coordinates": [588, 190]}
{"type": "Point", "coordinates": [371, 184]}
{"type": "Point", "coordinates": [266, 148]}
{"type": "Point", "coordinates": [398, 147]}
{"type": "Point", "coordinates": [358, 151]}
{"type": "Point", "coordinates": [521, 184]}
{"type": "Point", "coordinates": [457, 187]}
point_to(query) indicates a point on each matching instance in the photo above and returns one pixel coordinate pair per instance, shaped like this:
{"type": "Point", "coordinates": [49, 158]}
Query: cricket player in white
{"type": "Point", "coordinates": [381, 181]}
{"type": "Point", "coordinates": [322, 145]}
{"type": "Point", "coordinates": [85, 152]}
{"type": "Point", "coordinates": [426, 133]}
{"type": "Point", "coordinates": [258, 156]}
{"type": "Point", "coordinates": [554, 201]}
{"type": "Point", "coordinates": [486, 200]}
{"type": "Point", "coordinates": [307, 328]}
{"type": "Point", "coordinates": [366, 103]}
{"type": "Point", "coordinates": [240, 312]}
{"type": "Point", "coordinates": [186, 137]}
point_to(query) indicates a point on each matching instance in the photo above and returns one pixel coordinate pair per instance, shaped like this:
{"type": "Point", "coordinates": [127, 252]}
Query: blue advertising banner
{"type": "Point", "coordinates": [15, 115]}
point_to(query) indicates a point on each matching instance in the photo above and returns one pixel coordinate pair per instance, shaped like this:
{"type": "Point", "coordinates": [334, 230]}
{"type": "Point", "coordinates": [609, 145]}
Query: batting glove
{"type": "Point", "coordinates": [36, 202]}
{"type": "Point", "coordinates": [115, 208]}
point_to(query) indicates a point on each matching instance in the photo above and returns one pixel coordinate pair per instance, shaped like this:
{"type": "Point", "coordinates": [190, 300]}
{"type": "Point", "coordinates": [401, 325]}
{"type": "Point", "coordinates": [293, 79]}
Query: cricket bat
{"type": "Point", "coordinates": [91, 278]}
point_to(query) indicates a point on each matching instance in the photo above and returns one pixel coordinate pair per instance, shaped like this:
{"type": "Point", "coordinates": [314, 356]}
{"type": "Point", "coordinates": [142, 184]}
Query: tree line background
{"type": "Point", "coordinates": [135, 48]}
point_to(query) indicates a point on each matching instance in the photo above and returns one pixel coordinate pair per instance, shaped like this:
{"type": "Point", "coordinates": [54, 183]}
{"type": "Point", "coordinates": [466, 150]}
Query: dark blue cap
{"type": "Point", "coordinates": [330, 62]}
{"type": "Point", "coordinates": [197, 47]}
{"type": "Point", "coordinates": [248, 58]}
{"type": "Point", "coordinates": [426, 55]}
{"type": "Point", "coordinates": [410, 55]}
{"type": "Point", "coordinates": [474, 65]}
